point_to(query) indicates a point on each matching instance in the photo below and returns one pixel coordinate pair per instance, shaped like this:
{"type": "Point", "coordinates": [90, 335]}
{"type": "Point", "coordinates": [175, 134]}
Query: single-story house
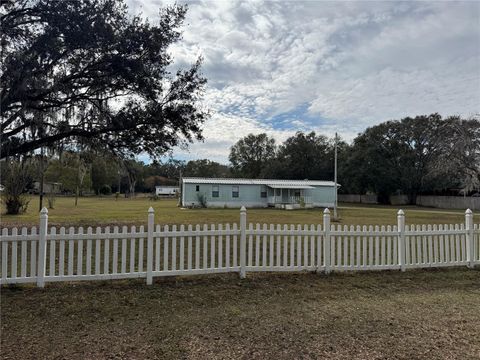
{"type": "Point", "coordinates": [166, 190]}
{"type": "Point", "coordinates": [234, 193]}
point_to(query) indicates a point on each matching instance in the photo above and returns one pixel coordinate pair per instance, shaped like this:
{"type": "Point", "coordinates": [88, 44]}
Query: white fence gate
{"type": "Point", "coordinates": [74, 254]}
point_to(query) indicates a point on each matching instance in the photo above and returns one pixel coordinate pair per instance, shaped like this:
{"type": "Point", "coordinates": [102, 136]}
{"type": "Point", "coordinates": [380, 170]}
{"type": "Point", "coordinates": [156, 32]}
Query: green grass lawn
{"type": "Point", "coordinates": [92, 211]}
{"type": "Point", "coordinates": [377, 315]}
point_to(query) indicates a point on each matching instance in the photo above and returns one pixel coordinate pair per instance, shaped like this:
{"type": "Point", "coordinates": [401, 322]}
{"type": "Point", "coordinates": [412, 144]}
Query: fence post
{"type": "Point", "coordinates": [151, 222]}
{"type": "Point", "coordinates": [42, 248]}
{"type": "Point", "coordinates": [401, 239]}
{"type": "Point", "coordinates": [243, 241]}
{"type": "Point", "coordinates": [326, 241]}
{"type": "Point", "coordinates": [469, 237]}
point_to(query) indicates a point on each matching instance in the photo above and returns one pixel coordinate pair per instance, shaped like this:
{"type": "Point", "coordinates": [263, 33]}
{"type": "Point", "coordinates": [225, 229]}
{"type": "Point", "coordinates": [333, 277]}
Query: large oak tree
{"type": "Point", "coordinates": [87, 72]}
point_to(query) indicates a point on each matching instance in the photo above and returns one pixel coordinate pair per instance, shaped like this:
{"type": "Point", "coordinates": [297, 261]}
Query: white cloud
{"type": "Point", "coordinates": [351, 64]}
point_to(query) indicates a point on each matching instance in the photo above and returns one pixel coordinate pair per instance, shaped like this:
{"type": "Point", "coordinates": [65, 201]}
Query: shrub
{"type": "Point", "coordinates": [51, 200]}
{"type": "Point", "coordinates": [16, 204]}
{"type": "Point", "coordinates": [202, 200]}
{"type": "Point", "coordinates": [154, 197]}
{"type": "Point", "coordinates": [301, 201]}
{"type": "Point", "coordinates": [16, 175]}
{"type": "Point", "coordinates": [105, 190]}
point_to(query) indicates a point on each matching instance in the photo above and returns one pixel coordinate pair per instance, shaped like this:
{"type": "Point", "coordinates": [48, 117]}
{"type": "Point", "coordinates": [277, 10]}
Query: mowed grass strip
{"type": "Point", "coordinates": [101, 211]}
{"type": "Point", "coordinates": [376, 315]}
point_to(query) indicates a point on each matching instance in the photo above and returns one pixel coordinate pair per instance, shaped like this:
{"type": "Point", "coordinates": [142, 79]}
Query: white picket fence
{"type": "Point", "coordinates": [74, 254]}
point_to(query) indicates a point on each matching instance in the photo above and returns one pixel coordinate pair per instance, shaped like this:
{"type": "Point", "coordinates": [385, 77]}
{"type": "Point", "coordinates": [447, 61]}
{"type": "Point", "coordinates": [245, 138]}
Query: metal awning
{"type": "Point", "coordinates": [287, 186]}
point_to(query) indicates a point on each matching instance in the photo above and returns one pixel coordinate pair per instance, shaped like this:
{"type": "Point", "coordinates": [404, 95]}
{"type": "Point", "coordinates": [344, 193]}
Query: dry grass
{"type": "Point", "coordinates": [417, 314]}
{"type": "Point", "coordinates": [97, 211]}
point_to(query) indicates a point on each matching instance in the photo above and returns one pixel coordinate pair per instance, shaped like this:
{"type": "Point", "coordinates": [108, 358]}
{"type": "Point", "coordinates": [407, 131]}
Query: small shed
{"type": "Point", "coordinates": [234, 193]}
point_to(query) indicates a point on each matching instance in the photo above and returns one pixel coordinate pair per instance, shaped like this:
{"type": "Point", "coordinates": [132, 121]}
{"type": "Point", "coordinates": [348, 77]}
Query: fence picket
{"type": "Point", "coordinates": [157, 248]}
{"type": "Point", "coordinates": [182, 248]}
{"type": "Point", "coordinates": [140, 249]}
{"type": "Point", "coordinates": [71, 245]}
{"type": "Point", "coordinates": [448, 248]}
{"type": "Point", "coordinates": [212, 247]}
{"type": "Point", "coordinates": [299, 246]}
{"type": "Point", "coordinates": [23, 264]}
{"type": "Point", "coordinates": [106, 252]}
{"type": "Point", "coordinates": [189, 248]}
{"type": "Point", "coordinates": [123, 267]}
{"type": "Point", "coordinates": [279, 245]}
{"type": "Point", "coordinates": [364, 247]}
{"type": "Point", "coordinates": [115, 251]}
{"type": "Point", "coordinates": [250, 244]}
{"type": "Point", "coordinates": [292, 245]}
{"type": "Point", "coordinates": [235, 245]}
{"type": "Point", "coordinates": [433, 242]}
{"type": "Point", "coordinates": [61, 253]}
{"type": "Point", "coordinates": [205, 247]}
{"type": "Point", "coordinates": [383, 246]}
{"type": "Point", "coordinates": [424, 246]}
{"type": "Point", "coordinates": [220, 247]}
{"type": "Point", "coordinates": [351, 240]}
{"type": "Point", "coordinates": [463, 247]}
{"type": "Point", "coordinates": [227, 246]}
{"type": "Point", "coordinates": [338, 241]}
{"type": "Point", "coordinates": [257, 246]}
{"type": "Point", "coordinates": [174, 247]}
{"type": "Point", "coordinates": [370, 246]}
{"type": "Point", "coordinates": [14, 254]}
{"type": "Point", "coordinates": [80, 252]}
{"type": "Point", "coordinates": [305, 245]}
{"type": "Point", "coordinates": [98, 233]}
{"type": "Point", "coordinates": [441, 243]}
{"type": "Point", "coordinates": [88, 260]}
{"type": "Point", "coordinates": [165, 248]}
{"type": "Point", "coordinates": [4, 256]}
{"type": "Point", "coordinates": [312, 246]}
{"type": "Point", "coordinates": [197, 247]}
{"type": "Point", "coordinates": [457, 245]}
{"type": "Point", "coordinates": [271, 246]}
{"type": "Point", "coordinates": [264, 247]}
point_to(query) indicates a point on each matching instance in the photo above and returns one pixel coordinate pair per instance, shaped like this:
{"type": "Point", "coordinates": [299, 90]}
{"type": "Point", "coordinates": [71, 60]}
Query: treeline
{"type": "Point", "coordinates": [411, 156]}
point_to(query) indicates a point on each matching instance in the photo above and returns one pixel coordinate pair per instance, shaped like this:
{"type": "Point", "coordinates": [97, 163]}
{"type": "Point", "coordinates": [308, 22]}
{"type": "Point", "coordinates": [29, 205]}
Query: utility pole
{"type": "Point", "coordinates": [335, 172]}
{"type": "Point", "coordinates": [42, 175]}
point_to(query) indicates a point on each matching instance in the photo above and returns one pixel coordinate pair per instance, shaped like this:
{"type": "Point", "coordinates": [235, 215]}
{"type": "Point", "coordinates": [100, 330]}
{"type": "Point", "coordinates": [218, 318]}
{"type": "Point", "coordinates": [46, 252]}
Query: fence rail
{"type": "Point", "coordinates": [47, 255]}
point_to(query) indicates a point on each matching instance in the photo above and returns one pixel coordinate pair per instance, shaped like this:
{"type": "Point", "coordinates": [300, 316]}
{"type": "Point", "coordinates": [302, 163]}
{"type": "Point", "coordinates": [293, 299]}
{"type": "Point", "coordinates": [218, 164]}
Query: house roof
{"type": "Point", "coordinates": [299, 184]}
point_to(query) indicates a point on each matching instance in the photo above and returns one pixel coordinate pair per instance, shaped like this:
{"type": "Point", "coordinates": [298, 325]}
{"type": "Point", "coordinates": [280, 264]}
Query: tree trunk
{"type": "Point", "coordinates": [412, 198]}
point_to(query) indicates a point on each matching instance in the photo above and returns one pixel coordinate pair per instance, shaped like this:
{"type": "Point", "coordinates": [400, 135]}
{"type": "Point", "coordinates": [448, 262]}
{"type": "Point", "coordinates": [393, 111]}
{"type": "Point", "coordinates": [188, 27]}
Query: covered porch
{"type": "Point", "coordinates": [289, 197]}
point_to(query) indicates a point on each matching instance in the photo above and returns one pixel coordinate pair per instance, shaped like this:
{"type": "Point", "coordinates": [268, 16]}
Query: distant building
{"type": "Point", "coordinates": [48, 187]}
{"type": "Point", "coordinates": [167, 190]}
{"type": "Point", "coordinates": [234, 193]}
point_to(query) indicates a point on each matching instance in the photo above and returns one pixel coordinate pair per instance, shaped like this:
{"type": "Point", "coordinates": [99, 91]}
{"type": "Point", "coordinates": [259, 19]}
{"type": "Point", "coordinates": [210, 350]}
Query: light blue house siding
{"type": "Point", "coordinates": [257, 193]}
{"type": "Point", "coordinates": [248, 195]}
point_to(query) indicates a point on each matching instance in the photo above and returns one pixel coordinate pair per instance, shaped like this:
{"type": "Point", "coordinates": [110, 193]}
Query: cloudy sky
{"type": "Point", "coordinates": [280, 67]}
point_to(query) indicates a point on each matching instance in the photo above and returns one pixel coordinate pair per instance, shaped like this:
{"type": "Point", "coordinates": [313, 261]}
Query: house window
{"type": "Point", "coordinates": [197, 188]}
{"type": "Point", "coordinates": [263, 194]}
{"type": "Point", "coordinates": [297, 193]}
{"type": "Point", "coordinates": [234, 191]}
{"type": "Point", "coordinates": [215, 191]}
